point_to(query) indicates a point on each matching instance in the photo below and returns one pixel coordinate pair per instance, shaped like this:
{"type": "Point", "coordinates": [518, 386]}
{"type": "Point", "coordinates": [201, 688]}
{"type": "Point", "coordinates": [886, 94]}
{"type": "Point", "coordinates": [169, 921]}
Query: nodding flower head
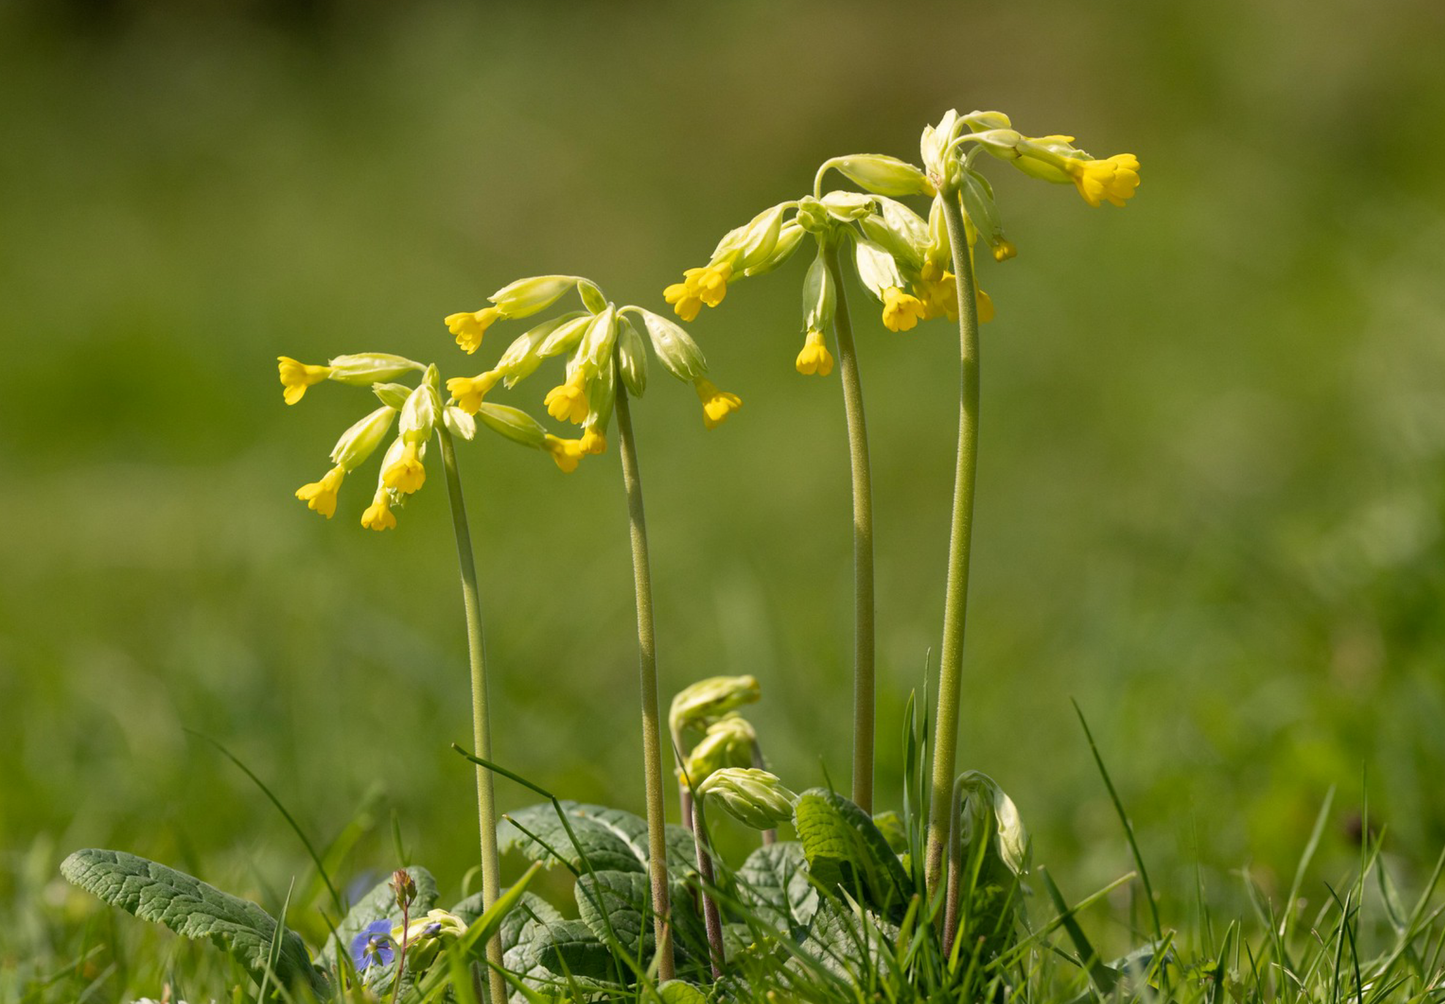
{"type": "Point", "coordinates": [470, 325]}
{"type": "Point", "coordinates": [373, 946]}
{"type": "Point", "coordinates": [717, 405]}
{"type": "Point", "coordinates": [378, 516]}
{"type": "Point", "coordinates": [815, 357]}
{"type": "Point", "coordinates": [469, 391]}
{"type": "Point", "coordinates": [901, 311]}
{"type": "Point", "coordinates": [407, 473]}
{"type": "Point", "coordinates": [706, 285]}
{"type": "Point", "coordinates": [568, 401]}
{"type": "Point", "coordinates": [321, 495]}
{"type": "Point", "coordinates": [567, 453]}
{"type": "Point", "coordinates": [1113, 180]}
{"type": "Point", "coordinates": [297, 376]}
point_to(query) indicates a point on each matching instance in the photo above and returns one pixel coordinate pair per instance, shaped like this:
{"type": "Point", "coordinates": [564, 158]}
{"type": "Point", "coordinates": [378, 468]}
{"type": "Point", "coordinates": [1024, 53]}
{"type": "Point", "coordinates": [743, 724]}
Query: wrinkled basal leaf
{"type": "Point", "coordinates": [194, 909]}
{"type": "Point", "coordinates": [610, 839]}
{"type": "Point", "coordinates": [846, 851]}
{"type": "Point", "coordinates": [773, 882]}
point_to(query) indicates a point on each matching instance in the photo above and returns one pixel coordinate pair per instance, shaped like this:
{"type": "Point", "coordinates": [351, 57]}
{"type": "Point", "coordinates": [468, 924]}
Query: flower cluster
{"type": "Point", "coordinates": [901, 258]}
{"type": "Point", "coordinates": [601, 344]}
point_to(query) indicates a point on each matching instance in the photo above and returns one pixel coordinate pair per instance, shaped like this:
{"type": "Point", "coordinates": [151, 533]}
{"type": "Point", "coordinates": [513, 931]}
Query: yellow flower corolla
{"type": "Point", "coordinates": [985, 307]}
{"type": "Point", "coordinates": [815, 357]}
{"type": "Point", "coordinates": [568, 401]}
{"type": "Point", "coordinates": [407, 474]}
{"type": "Point", "coordinates": [717, 405]}
{"type": "Point", "coordinates": [567, 453]}
{"type": "Point", "coordinates": [1003, 251]}
{"type": "Point", "coordinates": [1114, 179]}
{"type": "Point", "coordinates": [901, 311]}
{"type": "Point", "coordinates": [593, 442]}
{"type": "Point", "coordinates": [469, 391]}
{"type": "Point", "coordinates": [706, 285]}
{"type": "Point", "coordinates": [937, 289]}
{"type": "Point", "coordinates": [470, 325]}
{"type": "Point", "coordinates": [297, 376]}
{"type": "Point", "coordinates": [378, 515]}
{"type": "Point", "coordinates": [321, 495]}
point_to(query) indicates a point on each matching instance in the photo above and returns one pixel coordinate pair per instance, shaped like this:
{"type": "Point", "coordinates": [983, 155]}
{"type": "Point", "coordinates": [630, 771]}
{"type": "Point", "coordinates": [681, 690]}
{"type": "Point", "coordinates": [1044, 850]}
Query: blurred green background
{"type": "Point", "coordinates": [1213, 470]}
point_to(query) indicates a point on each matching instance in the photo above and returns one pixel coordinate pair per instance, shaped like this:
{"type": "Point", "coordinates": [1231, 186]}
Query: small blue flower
{"type": "Point", "coordinates": [431, 930]}
{"type": "Point", "coordinates": [373, 945]}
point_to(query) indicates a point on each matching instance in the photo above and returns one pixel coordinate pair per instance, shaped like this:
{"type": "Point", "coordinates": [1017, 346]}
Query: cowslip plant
{"type": "Point", "coordinates": [895, 250]}
{"type": "Point", "coordinates": [606, 361]}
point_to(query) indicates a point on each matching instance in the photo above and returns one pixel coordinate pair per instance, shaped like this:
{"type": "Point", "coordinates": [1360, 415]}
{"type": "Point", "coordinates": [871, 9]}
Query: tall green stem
{"type": "Point", "coordinates": [647, 665]}
{"type": "Point", "coordinates": [481, 727]}
{"type": "Point", "coordinates": [863, 615]}
{"type": "Point", "coordinates": [955, 603]}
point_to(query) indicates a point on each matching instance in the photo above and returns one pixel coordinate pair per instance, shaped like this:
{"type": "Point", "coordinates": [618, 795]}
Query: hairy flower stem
{"type": "Point", "coordinates": [711, 918]}
{"type": "Point", "coordinates": [863, 616]}
{"type": "Point", "coordinates": [955, 871]}
{"type": "Point", "coordinates": [955, 603]}
{"type": "Point", "coordinates": [481, 727]}
{"type": "Point", "coordinates": [647, 665]}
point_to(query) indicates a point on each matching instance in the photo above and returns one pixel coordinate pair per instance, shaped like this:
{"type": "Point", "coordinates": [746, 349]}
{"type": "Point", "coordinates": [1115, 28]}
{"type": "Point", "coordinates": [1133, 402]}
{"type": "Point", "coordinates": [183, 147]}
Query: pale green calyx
{"type": "Point", "coordinates": [881, 174]}
{"type": "Point", "coordinates": [877, 269]}
{"type": "Point", "coordinates": [513, 423]}
{"type": "Point", "coordinates": [820, 299]}
{"type": "Point", "coordinates": [789, 235]}
{"type": "Point", "coordinates": [527, 296]}
{"type": "Point", "coordinates": [846, 207]}
{"type": "Point", "coordinates": [714, 697]}
{"type": "Point", "coordinates": [524, 355]}
{"type": "Point", "coordinates": [632, 355]}
{"type": "Point", "coordinates": [592, 297]}
{"type": "Point", "coordinates": [728, 743]}
{"type": "Point", "coordinates": [419, 414]}
{"type": "Point", "coordinates": [366, 368]}
{"type": "Point", "coordinates": [391, 394]}
{"type": "Point", "coordinates": [753, 797]}
{"type": "Point", "coordinates": [989, 814]}
{"type": "Point", "coordinates": [674, 347]}
{"type": "Point", "coordinates": [752, 243]}
{"type": "Point", "coordinates": [596, 345]}
{"type": "Point", "coordinates": [459, 423]}
{"type": "Point", "coordinates": [813, 216]}
{"type": "Point", "coordinates": [977, 196]}
{"type": "Point", "coordinates": [565, 336]}
{"type": "Point", "coordinates": [361, 440]}
{"type": "Point", "coordinates": [898, 230]}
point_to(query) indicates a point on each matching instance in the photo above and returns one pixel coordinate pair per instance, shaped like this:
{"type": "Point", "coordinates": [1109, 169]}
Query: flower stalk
{"type": "Point", "coordinates": [481, 726]}
{"type": "Point", "coordinates": [651, 717]}
{"type": "Point", "coordinates": [712, 919]}
{"type": "Point", "coordinates": [955, 603]}
{"type": "Point", "coordinates": [864, 686]}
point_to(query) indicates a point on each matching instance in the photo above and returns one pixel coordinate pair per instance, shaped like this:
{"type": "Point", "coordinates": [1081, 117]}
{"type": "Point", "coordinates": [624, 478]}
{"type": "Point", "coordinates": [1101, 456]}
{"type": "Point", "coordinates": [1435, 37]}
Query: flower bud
{"type": "Point", "coordinates": [883, 175]}
{"type": "Point", "coordinates": [753, 797]}
{"type": "Point", "coordinates": [674, 347]}
{"type": "Point", "coordinates": [820, 299]}
{"type": "Point", "coordinates": [848, 206]}
{"type": "Point", "coordinates": [425, 936]}
{"type": "Point", "coordinates": [598, 340]}
{"type": "Point", "coordinates": [419, 414]}
{"type": "Point", "coordinates": [812, 216]}
{"type": "Point", "coordinates": [788, 237]}
{"type": "Point", "coordinates": [728, 743]}
{"type": "Point", "coordinates": [393, 395]}
{"type": "Point", "coordinates": [369, 367]}
{"type": "Point", "coordinates": [513, 423]}
{"type": "Point", "coordinates": [527, 296]}
{"type": "Point", "coordinates": [709, 699]}
{"type": "Point", "coordinates": [632, 354]}
{"type": "Point", "coordinates": [979, 121]}
{"type": "Point", "coordinates": [933, 145]}
{"type": "Point", "coordinates": [361, 440]}
{"type": "Point", "coordinates": [403, 886]}
{"type": "Point", "coordinates": [989, 814]}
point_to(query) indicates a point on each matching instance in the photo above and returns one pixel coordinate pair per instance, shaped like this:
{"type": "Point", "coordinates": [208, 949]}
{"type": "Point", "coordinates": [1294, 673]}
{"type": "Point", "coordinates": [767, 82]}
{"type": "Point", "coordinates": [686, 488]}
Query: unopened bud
{"type": "Point", "coordinates": [709, 699]}
{"type": "Point", "coordinates": [674, 347]}
{"type": "Point", "coordinates": [403, 886]}
{"type": "Point", "coordinates": [883, 175]}
{"type": "Point", "coordinates": [513, 423]}
{"type": "Point", "coordinates": [632, 354]}
{"type": "Point", "coordinates": [367, 368]}
{"type": "Point", "coordinates": [527, 296]}
{"type": "Point", "coordinates": [728, 743]}
{"type": "Point", "coordinates": [754, 797]}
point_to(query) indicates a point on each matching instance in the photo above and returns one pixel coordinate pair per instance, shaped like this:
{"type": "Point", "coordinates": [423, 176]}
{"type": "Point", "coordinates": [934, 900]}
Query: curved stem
{"type": "Point", "coordinates": [481, 727]}
{"type": "Point", "coordinates": [647, 665]}
{"type": "Point", "coordinates": [863, 612]}
{"type": "Point", "coordinates": [955, 603]}
{"type": "Point", "coordinates": [712, 919]}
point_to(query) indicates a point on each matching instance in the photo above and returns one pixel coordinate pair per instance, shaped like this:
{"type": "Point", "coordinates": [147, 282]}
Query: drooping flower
{"type": "Point", "coordinates": [469, 391]}
{"type": "Point", "coordinates": [321, 495]}
{"type": "Point", "coordinates": [373, 946]}
{"type": "Point", "coordinates": [937, 289]}
{"type": "Point", "coordinates": [901, 311]}
{"type": "Point", "coordinates": [985, 307]}
{"type": "Point", "coordinates": [407, 474]}
{"type": "Point", "coordinates": [378, 515]}
{"type": "Point", "coordinates": [815, 357]}
{"type": "Point", "coordinates": [1114, 179]}
{"type": "Point", "coordinates": [567, 453]}
{"type": "Point", "coordinates": [568, 401]}
{"type": "Point", "coordinates": [470, 326]}
{"type": "Point", "coordinates": [706, 285]}
{"type": "Point", "coordinates": [297, 376]}
{"type": "Point", "coordinates": [717, 405]}
{"type": "Point", "coordinates": [593, 441]}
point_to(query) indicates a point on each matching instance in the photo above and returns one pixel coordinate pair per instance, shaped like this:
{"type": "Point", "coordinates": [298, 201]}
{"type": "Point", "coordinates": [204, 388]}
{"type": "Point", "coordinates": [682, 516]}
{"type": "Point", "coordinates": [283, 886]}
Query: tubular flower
{"type": "Point", "coordinates": [706, 285]}
{"type": "Point", "coordinates": [469, 391]}
{"type": "Point", "coordinates": [568, 401]}
{"type": "Point", "coordinates": [297, 376]}
{"type": "Point", "coordinates": [717, 405]}
{"type": "Point", "coordinates": [1114, 179]}
{"type": "Point", "coordinates": [321, 495]}
{"type": "Point", "coordinates": [985, 307]}
{"type": "Point", "coordinates": [900, 310]}
{"type": "Point", "coordinates": [815, 357]}
{"type": "Point", "coordinates": [470, 326]}
{"type": "Point", "coordinates": [938, 291]}
{"type": "Point", "coordinates": [407, 474]}
{"type": "Point", "coordinates": [567, 453]}
{"type": "Point", "coordinates": [593, 441]}
{"type": "Point", "coordinates": [378, 515]}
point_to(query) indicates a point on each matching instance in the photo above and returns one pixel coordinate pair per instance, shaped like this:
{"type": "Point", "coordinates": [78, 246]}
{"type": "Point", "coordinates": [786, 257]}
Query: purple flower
{"type": "Point", "coordinates": [373, 945]}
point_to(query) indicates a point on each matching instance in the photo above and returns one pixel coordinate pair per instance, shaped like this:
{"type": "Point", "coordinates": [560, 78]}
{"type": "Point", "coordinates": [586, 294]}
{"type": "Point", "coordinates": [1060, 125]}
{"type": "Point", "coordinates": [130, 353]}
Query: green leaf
{"type": "Point", "coordinates": [846, 851]}
{"type": "Point", "coordinates": [618, 899]}
{"type": "Point", "coordinates": [378, 903]}
{"type": "Point", "coordinates": [573, 950]}
{"type": "Point", "coordinates": [680, 992]}
{"type": "Point", "coordinates": [194, 909]}
{"type": "Point", "coordinates": [773, 882]}
{"type": "Point", "coordinates": [610, 839]}
{"type": "Point", "coordinates": [841, 937]}
{"type": "Point", "coordinates": [535, 937]}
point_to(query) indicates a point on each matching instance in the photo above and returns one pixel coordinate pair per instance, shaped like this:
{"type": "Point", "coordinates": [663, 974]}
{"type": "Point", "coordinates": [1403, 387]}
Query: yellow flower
{"type": "Point", "coordinates": [297, 376]}
{"type": "Point", "coordinates": [717, 405]}
{"type": "Point", "coordinates": [937, 289]}
{"type": "Point", "coordinates": [566, 452]}
{"type": "Point", "coordinates": [1003, 251]}
{"type": "Point", "coordinates": [378, 515]}
{"type": "Point", "coordinates": [1114, 179]}
{"type": "Point", "coordinates": [568, 401]}
{"type": "Point", "coordinates": [593, 442]}
{"type": "Point", "coordinates": [815, 357]}
{"type": "Point", "coordinates": [706, 285]}
{"type": "Point", "coordinates": [985, 307]}
{"type": "Point", "coordinates": [321, 495]}
{"type": "Point", "coordinates": [900, 310]}
{"type": "Point", "coordinates": [469, 391]}
{"type": "Point", "coordinates": [470, 326]}
{"type": "Point", "coordinates": [407, 474]}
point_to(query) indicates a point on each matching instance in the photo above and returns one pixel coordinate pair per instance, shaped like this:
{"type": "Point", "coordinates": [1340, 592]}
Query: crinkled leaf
{"type": "Point", "coordinates": [610, 839]}
{"type": "Point", "coordinates": [841, 936]}
{"type": "Point", "coordinates": [618, 900]}
{"type": "Point", "coordinates": [773, 882]}
{"type": "Point", "coordinates": [846, 852]}
{"type": "Point", "coordinates": [680, 992]}
{"type": "Point", "coordinates": [380, 903]}
{"type": "Point", "coordinates": [194, 909]}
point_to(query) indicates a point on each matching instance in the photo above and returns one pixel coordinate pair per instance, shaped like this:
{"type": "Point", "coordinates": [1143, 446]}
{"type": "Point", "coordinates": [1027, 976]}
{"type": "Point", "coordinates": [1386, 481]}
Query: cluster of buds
{"type": "Point", "coordinates": [902, 259]}
{"type": "Point", "coordinates": [987, 814]}
{"type": "Point", "coordinates": [601, 344]}
{"type": "Point", "coordinates": [415, 411]}
{"type": "Point", "coordinates": [750, 795]}
{"type": "Point", "coordinates": [709, 708]}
